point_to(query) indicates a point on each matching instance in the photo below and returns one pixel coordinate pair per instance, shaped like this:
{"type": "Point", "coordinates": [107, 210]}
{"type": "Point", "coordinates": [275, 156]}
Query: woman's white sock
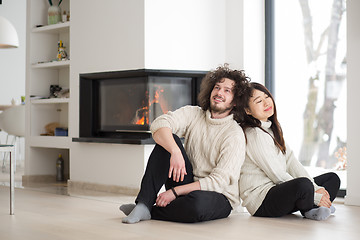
{"type": "Point", "coordinates": [321, 213]}
{"type": "Point", "coordinates": [332, 209]}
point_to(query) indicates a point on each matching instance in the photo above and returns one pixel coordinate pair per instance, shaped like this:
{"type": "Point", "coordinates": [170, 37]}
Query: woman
{"type": "Point", "coordinates": [273, 183]}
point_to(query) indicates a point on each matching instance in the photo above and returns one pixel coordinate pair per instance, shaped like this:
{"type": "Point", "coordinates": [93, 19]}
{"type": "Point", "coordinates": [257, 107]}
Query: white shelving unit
{"type": "Point", "coordinates": [54, 28]}
{"type": "Point", "coordinates": [49, 101]}
{"type": "Point", "coordinates": [50, 142]}
{"type": "Point", "coordinates": [42, 71]}
{"type": "Point", "coordinates": [52, 65]}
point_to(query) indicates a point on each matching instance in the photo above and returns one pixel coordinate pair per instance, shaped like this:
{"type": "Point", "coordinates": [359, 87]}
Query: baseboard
{"type": "Point", "coordinates": [27, 180]}
{"type": "Point", "coordinates": [78, 187]}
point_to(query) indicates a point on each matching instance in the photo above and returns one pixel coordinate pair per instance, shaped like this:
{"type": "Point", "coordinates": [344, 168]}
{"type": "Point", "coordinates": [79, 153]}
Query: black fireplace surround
{"type": "Point", "coordinates": [119, 106]}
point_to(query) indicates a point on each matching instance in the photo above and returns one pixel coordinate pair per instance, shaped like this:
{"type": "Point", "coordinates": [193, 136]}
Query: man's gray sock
{"type": "Point", "coordinates": [139, 213]}
{"type": "Point", "coordinates": [319, 214]}
{"type": "Point", "coordinates": [127, 208]}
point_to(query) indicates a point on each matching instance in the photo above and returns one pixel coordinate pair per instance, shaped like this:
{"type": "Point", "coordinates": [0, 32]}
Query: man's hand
{"type": "Point", "coordinates": [325, 200]}
{"type": "Point", "coordinates": [177, 168]}
{"type": "Point", "coordinates": [165, 198]}
{"type": "Point", "coordinates": [164, 138]}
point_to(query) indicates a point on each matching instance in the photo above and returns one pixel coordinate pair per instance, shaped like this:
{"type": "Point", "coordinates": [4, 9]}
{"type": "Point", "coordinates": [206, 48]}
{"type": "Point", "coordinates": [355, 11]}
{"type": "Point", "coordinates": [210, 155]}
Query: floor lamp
{"type": "Point", "coordinates": [8, 34]}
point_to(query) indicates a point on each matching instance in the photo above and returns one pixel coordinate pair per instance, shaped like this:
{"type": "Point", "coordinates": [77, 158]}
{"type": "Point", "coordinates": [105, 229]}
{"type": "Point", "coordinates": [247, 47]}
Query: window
{"type": "Point", "coordinates": [306, 55]}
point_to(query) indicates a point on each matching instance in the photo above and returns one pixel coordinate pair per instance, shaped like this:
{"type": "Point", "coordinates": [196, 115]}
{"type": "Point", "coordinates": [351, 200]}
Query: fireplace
{"type": "Point", "coordinates": [119, 106]}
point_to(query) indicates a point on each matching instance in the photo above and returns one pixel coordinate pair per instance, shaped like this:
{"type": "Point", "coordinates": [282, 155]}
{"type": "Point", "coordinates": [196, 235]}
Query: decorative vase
{"type": "Point", "coordinates": [54, 14]}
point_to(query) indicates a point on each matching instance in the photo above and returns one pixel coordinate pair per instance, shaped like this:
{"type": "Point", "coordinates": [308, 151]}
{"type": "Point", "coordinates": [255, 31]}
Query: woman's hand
{"type": "Point", "coordinates": [323, 192]}
{"type": "Point", "coordinates": [325, 200]}
{"type": "Point", "coordinates": [165, 198]}
{"type": "Point", "coordinates": [177, 168]}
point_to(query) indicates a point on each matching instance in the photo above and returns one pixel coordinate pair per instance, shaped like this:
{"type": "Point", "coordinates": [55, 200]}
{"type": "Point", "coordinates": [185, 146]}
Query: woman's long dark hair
{"type": "Point", "coordinates": [251, 122]}
{"type": "Point", "coordinates": [213, 77]}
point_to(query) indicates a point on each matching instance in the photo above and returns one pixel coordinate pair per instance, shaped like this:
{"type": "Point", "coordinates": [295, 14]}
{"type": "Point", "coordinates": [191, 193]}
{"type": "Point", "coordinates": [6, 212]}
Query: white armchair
{"type": "Point", "coordinates": [12, 121]}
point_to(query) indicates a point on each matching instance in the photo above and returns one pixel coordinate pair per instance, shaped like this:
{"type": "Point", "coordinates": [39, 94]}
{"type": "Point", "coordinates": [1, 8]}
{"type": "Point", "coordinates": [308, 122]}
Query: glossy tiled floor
{"type": "Point", "coordinates": [46, 212]}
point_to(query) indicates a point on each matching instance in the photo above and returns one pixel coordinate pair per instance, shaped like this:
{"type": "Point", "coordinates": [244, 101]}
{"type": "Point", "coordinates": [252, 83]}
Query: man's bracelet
{"type": "Point", "coordinates": [174, 192]}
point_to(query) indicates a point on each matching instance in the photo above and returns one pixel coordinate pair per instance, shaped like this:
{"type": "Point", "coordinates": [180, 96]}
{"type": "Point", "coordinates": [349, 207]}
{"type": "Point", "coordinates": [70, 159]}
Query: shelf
{"type": "Point", "coordinates": [50, 101]}
{"type": "Point", "coordinates": [136, 141]}
{"type": "Point", "coordinates": [50, 142]}
{"type": "Point", "coordinates": [54, 64]}
{"type": "Point", "coordinates": [53, 29]}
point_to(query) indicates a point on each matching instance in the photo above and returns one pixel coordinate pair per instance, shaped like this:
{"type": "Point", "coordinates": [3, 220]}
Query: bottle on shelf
{"type": "Point", "coordinates": [64, 17]}
{"type": "Point", "coordinates": [60, 169]}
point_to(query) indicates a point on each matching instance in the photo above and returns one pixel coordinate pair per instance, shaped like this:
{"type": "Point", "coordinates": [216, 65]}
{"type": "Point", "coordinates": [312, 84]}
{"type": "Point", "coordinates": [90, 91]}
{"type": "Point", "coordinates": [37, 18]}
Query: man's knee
{"type": "Point", "coordinates": [203, 206]}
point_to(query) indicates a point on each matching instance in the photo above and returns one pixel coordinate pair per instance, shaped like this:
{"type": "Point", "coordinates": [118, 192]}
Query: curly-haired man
{"type": "Point", "coordinates": [201, 176]}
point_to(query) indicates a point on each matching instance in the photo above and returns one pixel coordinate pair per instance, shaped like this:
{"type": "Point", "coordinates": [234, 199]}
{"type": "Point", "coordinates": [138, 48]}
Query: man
{"type": "Point", "coordinates": [201, 177]}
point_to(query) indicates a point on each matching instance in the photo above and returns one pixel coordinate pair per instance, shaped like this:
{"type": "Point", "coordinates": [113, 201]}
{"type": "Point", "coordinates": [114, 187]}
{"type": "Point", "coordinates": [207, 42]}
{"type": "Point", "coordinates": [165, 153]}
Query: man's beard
{"type": "Point", "coordinates": [215, 109]}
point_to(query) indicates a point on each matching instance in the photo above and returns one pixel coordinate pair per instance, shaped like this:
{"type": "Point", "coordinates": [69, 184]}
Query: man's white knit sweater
{"type": "Point", "coordinates": [215, 147]}
{"type": "Point", "coordinates": [266, 166]}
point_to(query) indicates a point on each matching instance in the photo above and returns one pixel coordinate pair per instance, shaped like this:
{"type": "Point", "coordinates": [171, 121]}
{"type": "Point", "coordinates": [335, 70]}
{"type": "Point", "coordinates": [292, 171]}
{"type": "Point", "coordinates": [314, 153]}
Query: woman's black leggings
{"type": "Point", "coordinates": [197, 206]}
{"type": "Point", "coordinates": [295, 195]}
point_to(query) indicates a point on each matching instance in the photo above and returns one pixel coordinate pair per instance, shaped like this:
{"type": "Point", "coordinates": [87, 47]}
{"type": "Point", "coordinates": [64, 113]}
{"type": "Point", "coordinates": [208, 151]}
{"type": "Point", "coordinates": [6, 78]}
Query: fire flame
{"type": "Point", "coordinates": [141, 121]}
{"type": "Point", "coordinates": [144, 111]}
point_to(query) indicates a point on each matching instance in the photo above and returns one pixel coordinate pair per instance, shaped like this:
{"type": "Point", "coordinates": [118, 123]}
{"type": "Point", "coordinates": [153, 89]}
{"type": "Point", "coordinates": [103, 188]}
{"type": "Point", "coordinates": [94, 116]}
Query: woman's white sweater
{"type": "Point", "coordinates": [215, 147]}
{"type": "Point", "coordinates": [265, 166]}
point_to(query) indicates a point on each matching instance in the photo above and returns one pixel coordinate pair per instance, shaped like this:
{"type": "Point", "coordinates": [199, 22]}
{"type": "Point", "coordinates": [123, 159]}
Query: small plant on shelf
{"type": "Point", "coordinates": [54, 13]}
{"type": "Point", "coordinates": [50, 2]}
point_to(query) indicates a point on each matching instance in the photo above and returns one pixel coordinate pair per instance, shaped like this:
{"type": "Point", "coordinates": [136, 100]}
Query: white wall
{"type": "Point", "coordinates": [254, 32]}
{"type": "Point", "coordinates": [235, 32]}
{"type": "Point", "coordinates": [193, 35]}
{"type": "Point", "coordinates": [12, 61]}
{"type": "Point", "coordinates": [105, 36]}
{"type": "Point", "coordinates": [353, 87]}
{"type": "Point", "coordinates": [184, 34]}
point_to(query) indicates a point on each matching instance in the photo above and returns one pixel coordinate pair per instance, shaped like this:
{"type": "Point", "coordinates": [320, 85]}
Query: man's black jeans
{"type": "Point", "coordinates": [197, 206]}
